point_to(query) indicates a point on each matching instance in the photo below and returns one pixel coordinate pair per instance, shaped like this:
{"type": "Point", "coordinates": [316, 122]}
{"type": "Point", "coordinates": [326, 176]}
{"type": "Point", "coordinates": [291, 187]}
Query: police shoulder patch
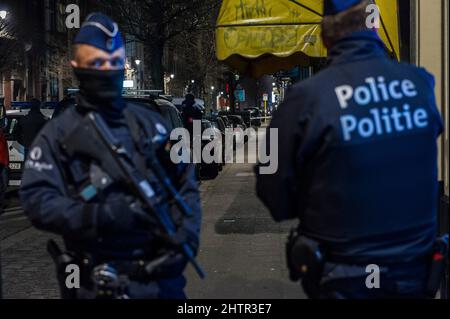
{"type": "Point", "coordinates": [161, 129]}
{"type": "Point", "coordinates": [36, 153]}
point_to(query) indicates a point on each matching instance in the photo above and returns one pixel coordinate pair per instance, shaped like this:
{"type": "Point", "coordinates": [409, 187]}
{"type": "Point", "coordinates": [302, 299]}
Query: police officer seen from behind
{"type": "Point", "coordinates": [190, 112]}
{"type": "Point", "coordinates": [359, 169]}
{"type": "Point", "coordinates": [108, 229]}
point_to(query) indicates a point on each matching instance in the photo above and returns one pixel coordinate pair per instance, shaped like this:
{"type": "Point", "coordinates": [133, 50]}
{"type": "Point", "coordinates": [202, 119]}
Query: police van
{"type": "Point", "coordinates": [16, 150]}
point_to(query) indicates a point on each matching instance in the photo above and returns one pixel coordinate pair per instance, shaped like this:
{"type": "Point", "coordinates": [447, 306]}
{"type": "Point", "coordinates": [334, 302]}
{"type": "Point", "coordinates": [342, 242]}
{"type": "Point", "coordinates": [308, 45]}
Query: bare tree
{"type": "Point", "coordinates": [196, 53]}
{"type": "Point", "coordinates": [156, 22]}
{"type": "Point", "coordinates": [9, 44]}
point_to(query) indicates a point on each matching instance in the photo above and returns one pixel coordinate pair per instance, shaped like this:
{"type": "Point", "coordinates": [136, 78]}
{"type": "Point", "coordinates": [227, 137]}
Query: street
{"type": "Point", "coordinates": [242, 249]}
{"type": "Point", "coordinates": [102, 103]}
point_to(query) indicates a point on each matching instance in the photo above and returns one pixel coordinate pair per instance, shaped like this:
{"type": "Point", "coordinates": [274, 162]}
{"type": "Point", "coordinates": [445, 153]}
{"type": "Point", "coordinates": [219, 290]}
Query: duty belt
{"type": "Point", "coordinates": [141, 270]}
{"type": "Point", "coordinates": [357, 261]}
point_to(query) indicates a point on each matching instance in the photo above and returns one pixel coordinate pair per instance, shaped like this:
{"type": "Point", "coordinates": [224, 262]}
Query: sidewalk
{"type": "Point", "coordinates": [27, 270]}
{"type": "Point", "coordinates": [242, 249]}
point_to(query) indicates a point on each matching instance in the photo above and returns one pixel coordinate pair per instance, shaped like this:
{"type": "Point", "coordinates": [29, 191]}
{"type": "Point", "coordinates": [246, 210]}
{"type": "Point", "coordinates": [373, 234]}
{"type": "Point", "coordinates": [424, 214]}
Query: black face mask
{"type": "Point", "coordinates": [103, 89]}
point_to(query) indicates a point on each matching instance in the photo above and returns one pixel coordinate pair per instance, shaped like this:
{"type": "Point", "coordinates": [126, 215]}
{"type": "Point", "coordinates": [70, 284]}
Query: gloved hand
{"type": "Point", "coordinates": [177, 261]}
{"type": "Point", "coordinates": [121, 215]}
{"type": "Point", "coordinates": [184, 235]}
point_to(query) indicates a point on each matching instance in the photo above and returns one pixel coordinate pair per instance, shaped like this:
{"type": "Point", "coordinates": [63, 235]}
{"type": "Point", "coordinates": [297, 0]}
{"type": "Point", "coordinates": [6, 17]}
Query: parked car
{"type": "Point", "coordinates": [234, 122]}
{"type": "Point", "coordinates": [226, 121]}
{"type": "Point", "coordinates": [16, 150]}
{"type": "Point", "coordinates": [168, 111]}
{"type": "Point", "coordinates": [209, 170]}
{"type": "Point", "coordinates": [218, 123]}
{"type": "Point", "coordinates": [162, 106]}
{"type": "Point", "coordinates": [255, 116]}
{"type": "Point", "coordinates": [239, 127]}
{"type": "Point", "coordinates": [157, 103]}
{"type": "Point", "coordinates": [178, 101]}
{"type": "Point", "coordinates": [246, 116]}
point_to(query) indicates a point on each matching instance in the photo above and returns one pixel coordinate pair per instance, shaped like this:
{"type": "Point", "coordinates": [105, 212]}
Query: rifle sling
{"type": "Point", "coordinates": [139, 134]}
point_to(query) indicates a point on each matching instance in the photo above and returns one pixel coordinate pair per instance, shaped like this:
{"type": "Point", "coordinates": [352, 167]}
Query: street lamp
{"type": "Point", "coordinates": [192, 81]}
{"type": "Point", "coordinates": [138, 62]}
{"type": "Point", "coordinates": [172, 76]}
{"type": "Point", "coordinates": [167, 79]}
{"type": "Point", "coordinates": [3, 14]}
{"type": "Point", "coordinates": [212, 88]}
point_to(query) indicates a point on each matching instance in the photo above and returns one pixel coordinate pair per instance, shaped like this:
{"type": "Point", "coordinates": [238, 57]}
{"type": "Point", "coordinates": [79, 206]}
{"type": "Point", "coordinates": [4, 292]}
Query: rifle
{"type": "Point", "coordinates": [61, 260]}
{"type": "Point", "coordinates": [93, 138]}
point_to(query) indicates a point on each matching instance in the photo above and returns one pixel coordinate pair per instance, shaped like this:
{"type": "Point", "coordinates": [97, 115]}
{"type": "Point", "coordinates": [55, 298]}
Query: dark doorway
{"type": "Point", "coordinates": [17, 90]}
{"type": "Point", "coordinates": [404, 9]}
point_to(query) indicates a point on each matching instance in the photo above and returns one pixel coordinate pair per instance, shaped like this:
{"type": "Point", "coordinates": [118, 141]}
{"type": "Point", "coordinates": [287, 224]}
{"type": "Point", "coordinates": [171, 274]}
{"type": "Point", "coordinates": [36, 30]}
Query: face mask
{"type": "Point", "coordinates": [98, 86]}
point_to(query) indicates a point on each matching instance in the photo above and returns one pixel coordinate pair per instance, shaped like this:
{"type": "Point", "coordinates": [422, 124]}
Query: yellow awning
{"type": "Point", "coordinates": [259, 37]}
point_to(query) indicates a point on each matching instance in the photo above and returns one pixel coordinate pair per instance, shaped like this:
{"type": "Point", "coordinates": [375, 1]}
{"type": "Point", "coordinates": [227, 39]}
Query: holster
{"type": "Point", "coordinates": [304, 257]}
{"type": "Point", "coordinates": [61, 260]}
{"type": "Point", "coordinates": [438, 266]}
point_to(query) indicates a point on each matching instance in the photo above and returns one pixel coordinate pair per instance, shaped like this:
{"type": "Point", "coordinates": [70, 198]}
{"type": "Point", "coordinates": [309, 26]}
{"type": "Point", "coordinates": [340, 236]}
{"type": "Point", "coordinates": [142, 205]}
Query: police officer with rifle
{"type": "Point", "coordinates": [359, 169]}
{"type": "Point", "coordinates": [100, 176]}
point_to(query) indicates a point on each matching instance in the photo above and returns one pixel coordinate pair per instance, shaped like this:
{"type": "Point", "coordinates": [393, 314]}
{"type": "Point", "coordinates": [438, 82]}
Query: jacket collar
{"type": "Point", "coordinates": [111, 113]}
{"type": "Point", "coordinates": [361, 45]}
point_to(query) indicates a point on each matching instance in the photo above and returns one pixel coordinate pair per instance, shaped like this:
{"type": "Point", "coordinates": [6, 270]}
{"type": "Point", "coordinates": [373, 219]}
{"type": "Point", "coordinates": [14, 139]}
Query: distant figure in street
{"type": "Point", "coordinates": [31, 124]}
{"type": "Point", "coordinates": [190, 112]}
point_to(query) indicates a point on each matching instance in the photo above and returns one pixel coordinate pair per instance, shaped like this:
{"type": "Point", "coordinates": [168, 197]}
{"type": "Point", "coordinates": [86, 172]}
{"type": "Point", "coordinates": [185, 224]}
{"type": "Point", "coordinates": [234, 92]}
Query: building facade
{"type": "Point", "coordinates": [43, 50]}
{"type": "Point", "coordinates": [430, 49]}
{"type": "Point", "coordinates": [44, 42]}
{"type": "Point", "coordinates": [135, 65]}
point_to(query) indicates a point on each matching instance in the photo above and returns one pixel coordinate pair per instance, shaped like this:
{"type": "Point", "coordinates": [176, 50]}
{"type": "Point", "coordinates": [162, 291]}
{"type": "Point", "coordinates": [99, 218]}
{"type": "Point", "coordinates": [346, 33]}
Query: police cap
{"type": "Point", "coordinates": [333, 7]}
{"type": "Point", "coordinates": [101, 32]}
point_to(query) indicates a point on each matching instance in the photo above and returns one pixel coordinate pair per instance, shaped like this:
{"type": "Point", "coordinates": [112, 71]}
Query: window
{"type": "Point", "coordinates": [131, 49]}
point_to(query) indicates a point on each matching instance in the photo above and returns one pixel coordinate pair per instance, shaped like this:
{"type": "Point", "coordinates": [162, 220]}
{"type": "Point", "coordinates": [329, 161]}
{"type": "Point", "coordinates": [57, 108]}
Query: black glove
{"type": "Point", "coordinates": [184, 235]}
{"type": "Point", "coordinates": [177, 261]}
{"type": "Point", "coordinates": [121, 215]}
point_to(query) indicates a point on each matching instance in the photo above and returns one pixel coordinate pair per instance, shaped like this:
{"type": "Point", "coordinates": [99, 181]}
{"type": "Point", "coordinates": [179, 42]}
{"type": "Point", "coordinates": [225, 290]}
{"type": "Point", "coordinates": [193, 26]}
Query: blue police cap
{"type": "Point", "coordinates": [332, 7]}
{"type": "Point", "coordinates": [100, 31]}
